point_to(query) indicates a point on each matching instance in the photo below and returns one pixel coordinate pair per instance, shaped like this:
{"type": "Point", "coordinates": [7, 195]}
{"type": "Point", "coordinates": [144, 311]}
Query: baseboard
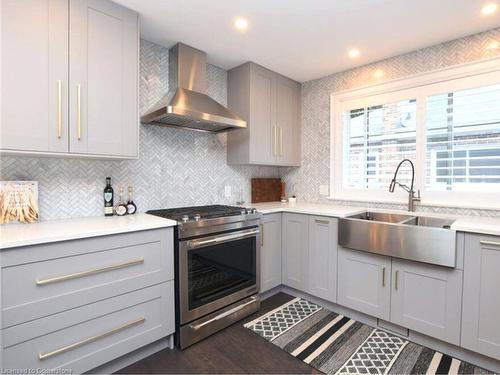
{"type": "Point", "coordinates": [416, 337]}
{"type": "Point", "coordinates": [135, 356]}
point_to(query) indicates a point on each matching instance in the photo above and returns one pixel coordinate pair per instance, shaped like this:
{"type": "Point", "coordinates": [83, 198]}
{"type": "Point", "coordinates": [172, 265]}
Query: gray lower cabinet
{"type": "Point", "coordinates": [295, 250]}
{"type": "Point", "coordinates": [481, 301]}
{"type": "Point", "coordinates": [427, 299]}
{"type": "Point", "coordinates": [270, 253]}
{"type": "Point", "coordinates": [364, 282]}
{"type": "Point", "coordinates": [323, 257]}
{"type": "Point", "coordinates": [81, 303]}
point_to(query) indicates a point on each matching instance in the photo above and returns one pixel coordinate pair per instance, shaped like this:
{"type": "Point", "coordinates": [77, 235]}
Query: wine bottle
{"type": "Point", "coordinates": [108, 198]}
{"type": "Point", "coordinates": [121, 207]}
{"type": "Point", "coordinates": [131, 207]}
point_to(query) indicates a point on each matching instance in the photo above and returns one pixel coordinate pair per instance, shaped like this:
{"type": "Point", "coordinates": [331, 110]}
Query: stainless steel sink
{"type": "Point", "coordinates": [379, 216]}
{"type": "Point", "coordinates": [419, 238]}
{"type": "Point", "coordinates": [425, 221]}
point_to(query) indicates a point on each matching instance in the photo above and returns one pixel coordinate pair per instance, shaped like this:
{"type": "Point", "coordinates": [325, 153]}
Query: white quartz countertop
{"type": "Point", "coordinates": [16, 235]}
{"type": "Point", "coordinates": [473, 224]}
{"type": "Point", "coordinates": [308, 208]}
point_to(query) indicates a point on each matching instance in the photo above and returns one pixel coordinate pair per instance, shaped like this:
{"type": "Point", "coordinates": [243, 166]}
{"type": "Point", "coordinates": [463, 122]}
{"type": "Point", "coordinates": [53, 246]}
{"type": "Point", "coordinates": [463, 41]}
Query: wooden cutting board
{"type": "Point", "coordinates": [266, 190]}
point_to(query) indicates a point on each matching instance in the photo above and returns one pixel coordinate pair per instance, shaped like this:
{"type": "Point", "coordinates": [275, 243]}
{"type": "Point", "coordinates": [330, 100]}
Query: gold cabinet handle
{"type": "Point", "coordinates": [318, 221]}
{"type": "Point", "coordinates": [92, 271]}
{"type": "Point", "coordinates": [281, 141]}
{"type": "Point", "coordinates": [59, 109]}
{"type": "Point", "coordinates": [489, 243]}
{"type": "Point", "coordinates": [275, 148]}
{"type": "Point", "coordinates": [90, 339]}
{"type": "Point", "coordinates": [261, 235]}
{"type": "Point", "coordinates": [396, 280]}
{"type": "Point", "coordinates": [383, 277]}
{"type": "Point", "coordinates": [79, 111]}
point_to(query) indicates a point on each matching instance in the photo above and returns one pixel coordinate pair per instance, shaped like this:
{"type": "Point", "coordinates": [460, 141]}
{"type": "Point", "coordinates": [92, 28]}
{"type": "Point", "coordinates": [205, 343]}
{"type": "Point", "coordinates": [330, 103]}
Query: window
{"type": "Point", "coordinates": [446, 122]}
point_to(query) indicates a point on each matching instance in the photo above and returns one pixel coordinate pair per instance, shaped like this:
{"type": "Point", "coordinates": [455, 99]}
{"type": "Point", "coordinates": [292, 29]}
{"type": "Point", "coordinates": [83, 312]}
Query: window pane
{"type": "Point", "coordinates": [463, 140]}
{"type": "Point", "coordinates": [376, 139]}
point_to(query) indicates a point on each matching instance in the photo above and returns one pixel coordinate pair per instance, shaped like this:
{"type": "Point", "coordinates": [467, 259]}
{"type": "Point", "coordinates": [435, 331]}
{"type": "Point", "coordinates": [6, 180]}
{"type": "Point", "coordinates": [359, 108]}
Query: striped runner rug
{"type": "Point", "coordinates": [336, 344]}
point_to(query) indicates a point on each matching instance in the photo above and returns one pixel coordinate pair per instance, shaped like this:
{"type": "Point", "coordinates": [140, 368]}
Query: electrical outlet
{"type": "Point", "coordinates": [227, 191]}
{"type": "Point", "coordinates": [323, 189]}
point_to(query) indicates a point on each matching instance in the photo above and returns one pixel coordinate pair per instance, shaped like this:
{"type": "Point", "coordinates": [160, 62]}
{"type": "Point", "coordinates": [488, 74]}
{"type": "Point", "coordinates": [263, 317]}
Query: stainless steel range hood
{"type": "Point", "coordinates": [186, 105]}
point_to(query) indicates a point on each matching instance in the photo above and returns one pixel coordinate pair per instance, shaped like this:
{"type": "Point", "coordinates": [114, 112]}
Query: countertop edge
{"type": "Point", "coordinates": [44, 237]}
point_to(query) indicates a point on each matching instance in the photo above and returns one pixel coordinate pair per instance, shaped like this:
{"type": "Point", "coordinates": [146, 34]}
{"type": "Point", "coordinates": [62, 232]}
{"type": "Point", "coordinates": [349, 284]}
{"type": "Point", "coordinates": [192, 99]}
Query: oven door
{"type": "Point", "coordinates": [215, 271]}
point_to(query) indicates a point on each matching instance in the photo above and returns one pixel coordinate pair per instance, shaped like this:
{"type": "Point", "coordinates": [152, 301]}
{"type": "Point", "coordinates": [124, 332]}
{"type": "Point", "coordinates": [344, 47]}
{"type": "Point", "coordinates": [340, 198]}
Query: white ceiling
{"type": "Point", "coordinates": [307, 39]}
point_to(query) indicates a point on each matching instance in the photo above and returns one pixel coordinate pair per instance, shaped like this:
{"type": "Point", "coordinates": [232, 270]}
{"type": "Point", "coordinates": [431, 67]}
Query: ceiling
{"type": "Point", "coordinates": [307, 39]}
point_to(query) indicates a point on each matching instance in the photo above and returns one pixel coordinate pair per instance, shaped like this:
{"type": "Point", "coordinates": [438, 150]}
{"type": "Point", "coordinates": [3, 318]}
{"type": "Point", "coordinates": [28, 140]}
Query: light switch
{"type": "Point", "coordinates": [227, 191]}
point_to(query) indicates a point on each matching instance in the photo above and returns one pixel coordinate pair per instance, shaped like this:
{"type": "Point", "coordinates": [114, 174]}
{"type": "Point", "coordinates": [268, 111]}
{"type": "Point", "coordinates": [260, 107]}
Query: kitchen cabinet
{"type": "Point", "coordinates": [295, 250]}
{"type": "Point", "coordinates": [270, 103]}
{"type": "Point", "coordinates": [82, 91]}
{"type": "Point", "coordinates": [364, 282]}
{"type": "Point", "coordinates": [34, 75]}
{"type": "Point", "coordinates": [427, 299]}
{"type": "Point", "coordinates": [323, 257]}
{"type": "Point", "coordinates": [84, 302]}
{"type": "Point", "coordinates": [270, 252]}
{"type": "Point", "coordinates": [481, 304]}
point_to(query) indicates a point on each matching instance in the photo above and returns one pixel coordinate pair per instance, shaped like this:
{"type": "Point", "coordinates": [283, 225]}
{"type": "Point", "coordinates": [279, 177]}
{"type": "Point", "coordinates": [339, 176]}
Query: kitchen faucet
{"type": "Point", "coordinates": [411, 193]}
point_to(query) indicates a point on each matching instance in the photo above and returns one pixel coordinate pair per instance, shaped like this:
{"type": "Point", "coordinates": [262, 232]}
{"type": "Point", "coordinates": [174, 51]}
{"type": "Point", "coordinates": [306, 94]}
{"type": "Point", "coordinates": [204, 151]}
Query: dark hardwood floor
{"type": "Point", "coordinates": [232, 350]}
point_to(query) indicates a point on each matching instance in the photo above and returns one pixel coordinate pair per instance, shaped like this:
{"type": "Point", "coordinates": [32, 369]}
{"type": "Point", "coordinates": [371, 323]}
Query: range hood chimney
{"type": "Point", "coordinates": [187, 105]}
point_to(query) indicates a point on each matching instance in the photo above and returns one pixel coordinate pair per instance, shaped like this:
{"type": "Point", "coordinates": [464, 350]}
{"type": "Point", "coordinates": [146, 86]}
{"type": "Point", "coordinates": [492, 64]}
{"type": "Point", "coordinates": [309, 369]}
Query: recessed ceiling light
{"type": "Point", "coordinates": [379, 73]}
{"type": "Point", "coordinates": [353, 53]}
{"type": "Point", "coordinates": [489, 9]}
{"type": "Point", "coordinates": [241, 23]}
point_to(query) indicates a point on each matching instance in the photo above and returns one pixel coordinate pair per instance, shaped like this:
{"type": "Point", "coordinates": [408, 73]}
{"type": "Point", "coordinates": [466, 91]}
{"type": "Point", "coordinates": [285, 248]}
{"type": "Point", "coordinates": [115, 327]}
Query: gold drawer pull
{"type": "Point", "coordinates": [88, 340]}
{"type": "Point", "coordinates": [490, 243]}
{"type": "Point", "coordinates": [92, 271]}
{"type": "Point", "coordinates": [318, 221]}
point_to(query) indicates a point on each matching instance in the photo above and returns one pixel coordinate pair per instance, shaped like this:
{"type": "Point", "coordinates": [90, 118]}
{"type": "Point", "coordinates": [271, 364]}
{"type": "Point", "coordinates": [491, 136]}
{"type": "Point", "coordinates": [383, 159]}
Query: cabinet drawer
{"type": "Point", "coordinates": [46, 279]}
{"type": "Point", "coordinates": [91, 335]}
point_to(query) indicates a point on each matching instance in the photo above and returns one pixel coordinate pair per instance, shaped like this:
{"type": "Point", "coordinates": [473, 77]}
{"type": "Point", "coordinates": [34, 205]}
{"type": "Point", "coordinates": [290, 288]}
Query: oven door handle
{"type": "Point", "coordinates": [197, 243]}
{"type": "Point", "coordinates": [224, 314]}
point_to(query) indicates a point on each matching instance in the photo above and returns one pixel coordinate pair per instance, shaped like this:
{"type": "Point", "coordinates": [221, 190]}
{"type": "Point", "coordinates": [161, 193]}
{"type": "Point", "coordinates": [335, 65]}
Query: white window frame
{"type": "Point", "coordinates": [460, 77]}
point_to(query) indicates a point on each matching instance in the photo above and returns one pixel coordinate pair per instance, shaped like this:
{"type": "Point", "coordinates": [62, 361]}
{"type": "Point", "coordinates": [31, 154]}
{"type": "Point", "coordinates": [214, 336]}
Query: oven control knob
{"type": "Point", "coordinates": [185, 218]}
{"type": "Point", "coordinates": [253, 210]}
{"type": "Point", "coordinates": [197, 217]}
{"type": "Point", "coordinates": [243, 212]}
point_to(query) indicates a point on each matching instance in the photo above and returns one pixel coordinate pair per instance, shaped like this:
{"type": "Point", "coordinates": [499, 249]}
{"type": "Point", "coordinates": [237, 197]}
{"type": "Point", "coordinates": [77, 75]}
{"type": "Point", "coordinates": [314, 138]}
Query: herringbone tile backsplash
{"type": "Point", "coordinates": [175, 167]}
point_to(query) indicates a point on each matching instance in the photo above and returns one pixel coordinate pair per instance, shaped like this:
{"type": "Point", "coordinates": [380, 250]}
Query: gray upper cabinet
{"type": "Point", "coordinates": [427, 299]}
{"type": "Point", "coordinates": [270, 253]}
{"type": "Point", "coordinates": [34, 75]}
{"type": "Point", "coordinates": [295, 250]}
{"type": "Point", "coordinates": [270, 103]}
{"type": "Point", "coordinates": [364, 282]}
{"type": "Point", "coordinates": [80, 97]}
{"type": "Point", "coordinates": [323, 257]}
{"type": "Point", "coordinates": [481, 303]}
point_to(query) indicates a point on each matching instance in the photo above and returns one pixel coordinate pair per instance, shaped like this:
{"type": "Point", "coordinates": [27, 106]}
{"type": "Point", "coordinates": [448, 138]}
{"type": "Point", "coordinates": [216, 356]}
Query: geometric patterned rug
{"type": "Point", "coordinates": [335, 344]}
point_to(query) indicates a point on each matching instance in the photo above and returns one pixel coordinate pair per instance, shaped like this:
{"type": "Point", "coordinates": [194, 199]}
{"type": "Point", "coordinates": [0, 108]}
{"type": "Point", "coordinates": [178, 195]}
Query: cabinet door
{"type": "Point", "coordinates": [103, 71]}
{"type": "Point", "coordinates": [34, 75]}
{"type": "Point", "coordinates": [364, 282]}
{"type": "Point", "coordinates": [270, 252]}
{"type": "Point", "coordinates": [323, 257]}
{"type": "Point", "coordinates": [295, 250]}
{"type": "Point", "coordinates": [263, 132]}
{"type": "Point", "coordinates": [481, 304]}
{"type": "Point", "coordinates": [287, 121]}
{"type": "Point", "coordinates": [427, 299]}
